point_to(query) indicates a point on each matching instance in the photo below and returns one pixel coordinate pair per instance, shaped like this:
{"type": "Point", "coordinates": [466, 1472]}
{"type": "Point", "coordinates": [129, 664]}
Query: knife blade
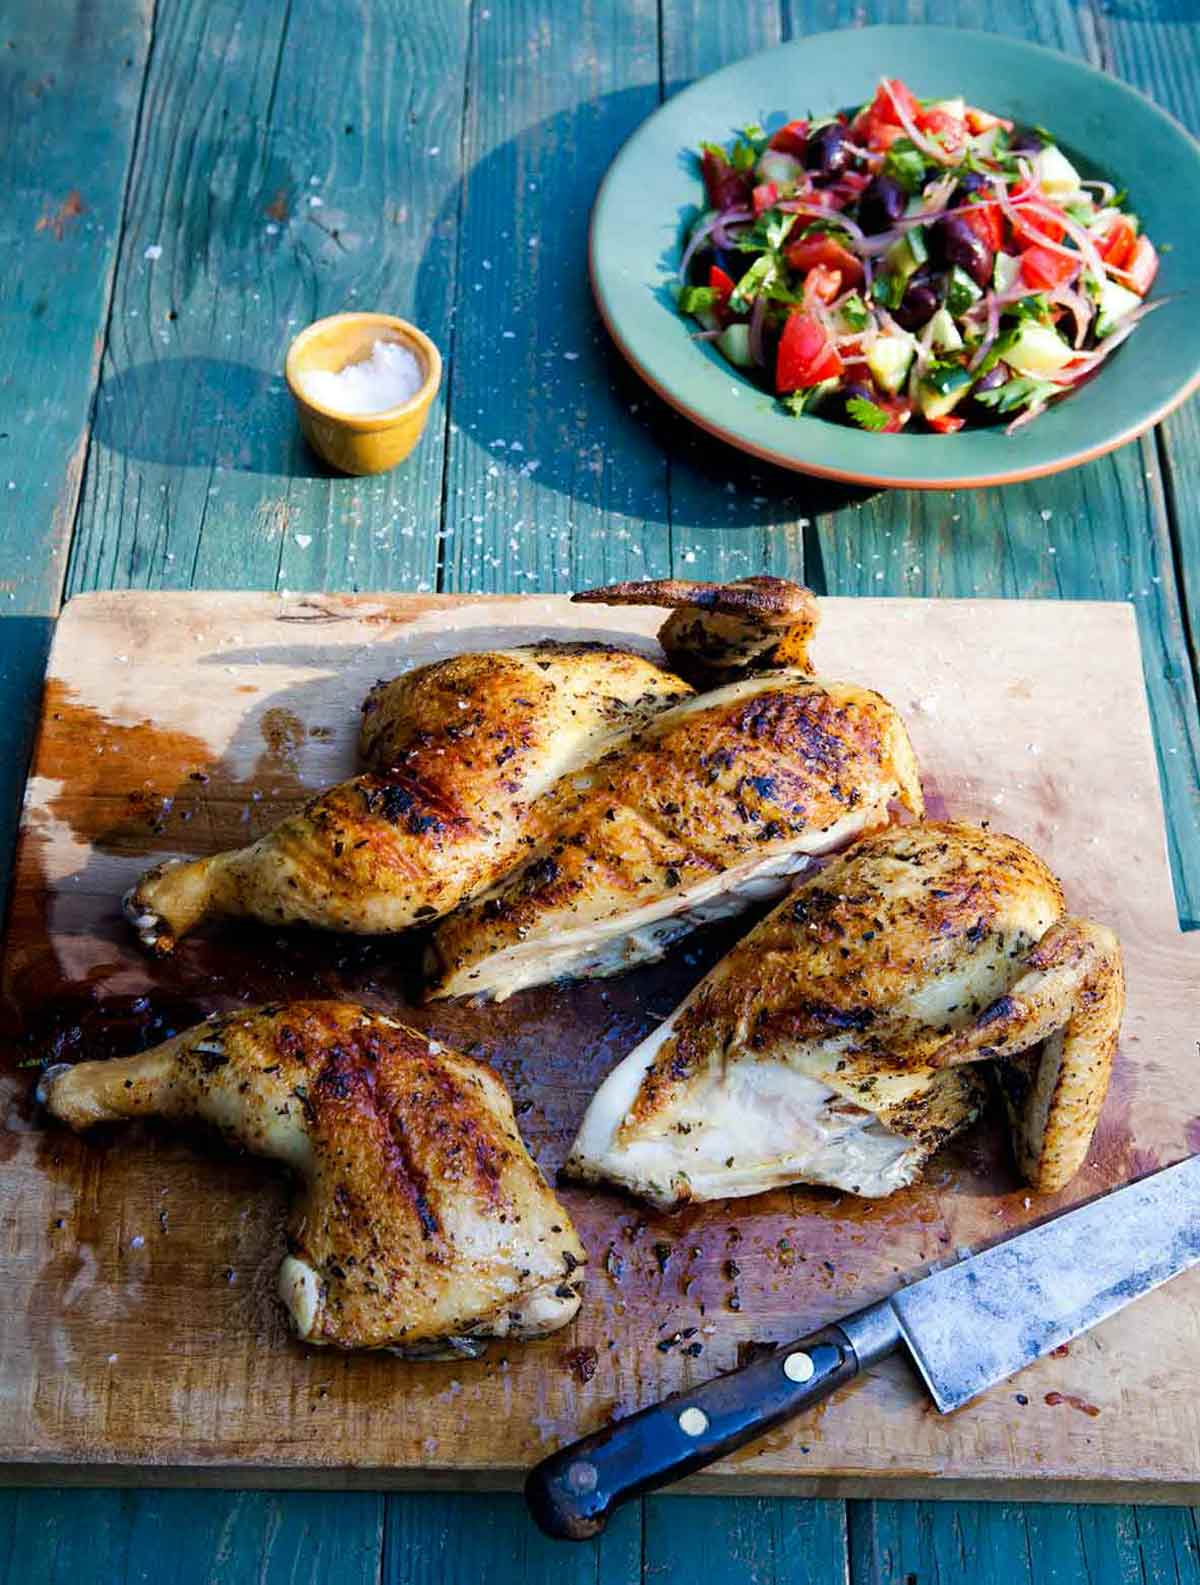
{"type": "Point", "coordinates": [965, 1328]}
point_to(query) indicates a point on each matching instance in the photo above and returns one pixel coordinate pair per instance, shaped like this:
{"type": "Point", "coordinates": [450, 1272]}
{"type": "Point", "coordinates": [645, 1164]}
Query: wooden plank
{"type": "Point", "coordinates": [69, 96]}
{"type": "Point", "coordinates": [153, 1362]}
{"type": "Point", "coordinates": [1161, 56]}
{"type": "Point", "coordinates": [551, 481]}
{"type": "Point", "coordinates": [747, 1540]}
{"type": "Point", "coordinates": [24, 645]}
{"type": "Point", "coordinates": [295, 160]}
{"type": "Point", "coordinates": [892, 1542]}
{"type": "Point", "coordinates": [190, 1538]}
{"type": "Point", "coordinates": [491, 1540]}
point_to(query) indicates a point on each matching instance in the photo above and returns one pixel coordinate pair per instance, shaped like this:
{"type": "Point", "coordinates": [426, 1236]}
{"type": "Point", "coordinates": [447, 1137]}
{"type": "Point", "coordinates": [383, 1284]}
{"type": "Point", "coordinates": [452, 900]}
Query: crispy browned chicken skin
{"type": "Point", "coordinates": [420, 1223]}
{"type": "Point", "coordinates": [836, 1044]}
{"type": "Point", "coordinates": [578, 805]}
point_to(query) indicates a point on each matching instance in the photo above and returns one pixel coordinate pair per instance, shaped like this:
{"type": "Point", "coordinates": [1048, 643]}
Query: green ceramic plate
{"type": "Point", "coordinates": [653, 190]}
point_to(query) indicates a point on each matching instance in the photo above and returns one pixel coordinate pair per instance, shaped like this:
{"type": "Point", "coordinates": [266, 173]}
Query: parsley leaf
{"type": "Point", "coordinates": [1017, 393]}
{"type": "Point", "coordinates": [695, 299]}
{"type": "Point", "coordinates": [1034, 306]}
{"type": "Point", "coordinates": [867, 415]}
{"type": "Point", "coordinates": [905, 164]}
{"type": "Point", "coordinates": [855, 313]}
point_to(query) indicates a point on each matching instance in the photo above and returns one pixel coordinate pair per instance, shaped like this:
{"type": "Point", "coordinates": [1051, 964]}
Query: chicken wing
{"type": "Point", "coordinates": [834, 1044]}
{"type": "Point", "coordinates": [420, 1223]}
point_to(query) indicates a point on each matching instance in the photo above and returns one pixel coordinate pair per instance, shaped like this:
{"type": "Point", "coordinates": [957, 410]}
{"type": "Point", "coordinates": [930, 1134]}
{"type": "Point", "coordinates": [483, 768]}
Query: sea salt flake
{"type": "Point", "coordinates": [154, 251]}
{"type": "Point", "coordinates": [389, 376]}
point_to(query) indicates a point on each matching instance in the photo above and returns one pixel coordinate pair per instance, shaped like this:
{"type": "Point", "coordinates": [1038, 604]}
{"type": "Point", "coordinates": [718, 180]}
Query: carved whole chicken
{"type": "Point", "coordinates": [579, 806]}
{"type": "Point", "coordinates": [839, 1043]}
{"type": "Point", "coordinates": [420, 1223]}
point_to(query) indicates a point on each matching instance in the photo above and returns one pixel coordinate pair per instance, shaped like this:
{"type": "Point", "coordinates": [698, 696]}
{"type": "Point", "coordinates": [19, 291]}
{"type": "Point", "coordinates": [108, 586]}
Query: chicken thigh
{"type": "Point", "coordinates": [420, 1223]}
{"type": "Point", "coordinates": [838, 1043]}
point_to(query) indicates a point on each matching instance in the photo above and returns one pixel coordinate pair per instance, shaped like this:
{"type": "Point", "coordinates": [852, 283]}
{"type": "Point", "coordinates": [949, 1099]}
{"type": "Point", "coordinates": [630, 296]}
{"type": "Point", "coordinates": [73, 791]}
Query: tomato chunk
{"type": "Point", "coordinates": [1118, 242]}
{"type": "Point", "coordinates": [822, 249]}
{"type": "Point", "coordinates": [821, 285]}
{"type": "Point", "coordinates": [983, 121]}
{"type": "Point", "coordinates": [1031, 230]}
{"type": "Point", "coordinates": [945, 425]}
{"type": "Point", "coordinates": [765, 196]}
{"type": "Point", "coordinates": [883, 108]}
{"type": "Point", "coordinates": [1143, 266]}
{"type": "Point", "coordinates": [949, 130]}
{"type": "Point", "coordinates": [986, 221]}
{"type": "Point", "coordinates": [806, 356]}
{"type": "Point", "coordinates": [898, 410]}
{"type": "Point", "coordinates": [791, 139]}
{"type": "Point", "coordinates": [721, 283]}
{"type": "Point", "coordinates": [1043, 270]}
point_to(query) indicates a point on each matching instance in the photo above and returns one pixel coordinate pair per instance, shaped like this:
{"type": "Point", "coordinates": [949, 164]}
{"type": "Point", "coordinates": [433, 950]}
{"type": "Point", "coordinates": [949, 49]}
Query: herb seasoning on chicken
{"type": "Point", "coordinates": [420, 1223]}
{"type": "Point", "coordinates": [580, 806]}
{"type": "Point", "coordinates": [841, 1041]}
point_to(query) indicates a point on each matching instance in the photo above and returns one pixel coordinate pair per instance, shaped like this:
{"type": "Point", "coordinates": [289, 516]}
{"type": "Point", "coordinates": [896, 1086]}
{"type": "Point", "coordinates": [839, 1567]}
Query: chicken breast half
{"type": "Point", "coordinates": [835, 1044]}
{"type": "Point", "coordinates": [713, 805]}
{"type": "Point", "coordinates": [420, 1223]}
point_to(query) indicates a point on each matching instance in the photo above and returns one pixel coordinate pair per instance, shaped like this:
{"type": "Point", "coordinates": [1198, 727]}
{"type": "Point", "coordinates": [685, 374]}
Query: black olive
{"type": "Point", "coordinates": [970, 182]}
{"type": "Point", "coordinates": [734, 261]}
{"type": "Point", "coordinates": [923, 296]}
{"type": "Point", "coordinates": [1026, 141]}
{"type": "Point", "coordinates": [881, 205]}
{"type": "Point", "coordinates": [834, 407]}
{"type": "Point", "coordinates": [826, 155]}
{"type": "Point", "coordinates": [978, 412]}
{"type": "Point", "coordinates": [953, 241]}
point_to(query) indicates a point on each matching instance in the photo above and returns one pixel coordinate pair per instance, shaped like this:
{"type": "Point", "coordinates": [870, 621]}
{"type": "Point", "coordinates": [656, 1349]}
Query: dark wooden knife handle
{"type": "Point", "coordinates": [572, 1493]}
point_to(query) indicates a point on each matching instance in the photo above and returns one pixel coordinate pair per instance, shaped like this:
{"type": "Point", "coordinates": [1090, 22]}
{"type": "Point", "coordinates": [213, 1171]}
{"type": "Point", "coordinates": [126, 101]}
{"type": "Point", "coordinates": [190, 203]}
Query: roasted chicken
{"type": "Point", "coordinates": [460, 757]}
{"type": "Point", "coordinates": [714, 803]}
{"type": "Point", "coordinates": [420, 1223]}
{"type": "Point", "coordinates": [844, 1039]}
{"type": "Point", "coordinates": [579, 806]}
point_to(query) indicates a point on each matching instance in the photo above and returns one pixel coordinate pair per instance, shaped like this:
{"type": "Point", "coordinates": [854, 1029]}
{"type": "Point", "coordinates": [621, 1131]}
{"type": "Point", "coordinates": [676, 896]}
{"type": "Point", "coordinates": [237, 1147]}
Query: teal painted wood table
{"type": "Point", "coordinates": [186, 182]}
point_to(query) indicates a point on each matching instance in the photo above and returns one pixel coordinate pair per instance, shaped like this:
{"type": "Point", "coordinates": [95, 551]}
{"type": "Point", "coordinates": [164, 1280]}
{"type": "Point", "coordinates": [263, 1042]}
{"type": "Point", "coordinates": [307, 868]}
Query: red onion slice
{"type": "Point", "coordinates": [758, 316]}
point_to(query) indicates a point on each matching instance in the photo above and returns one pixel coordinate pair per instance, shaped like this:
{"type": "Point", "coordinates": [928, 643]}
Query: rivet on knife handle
{"type": "Point", "coordinates": [572, 1493]}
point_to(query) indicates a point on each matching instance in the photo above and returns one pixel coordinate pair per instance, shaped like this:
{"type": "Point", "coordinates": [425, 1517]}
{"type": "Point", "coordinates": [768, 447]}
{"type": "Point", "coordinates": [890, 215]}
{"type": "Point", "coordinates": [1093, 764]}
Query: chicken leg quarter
{"type": "Point", "coordinates": [843, 1040]}
{"type": "Point", "coordinates": [421, 1224]}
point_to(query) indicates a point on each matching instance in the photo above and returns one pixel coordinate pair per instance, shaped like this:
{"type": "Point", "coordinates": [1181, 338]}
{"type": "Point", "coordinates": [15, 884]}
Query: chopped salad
{"type": "Point", "coordinates": [917, 263]}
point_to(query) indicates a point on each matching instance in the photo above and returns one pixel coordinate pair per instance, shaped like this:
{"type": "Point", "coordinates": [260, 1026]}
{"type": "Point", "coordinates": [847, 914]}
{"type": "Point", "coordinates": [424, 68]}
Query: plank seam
{"type": "Point", "coordinates": [439, 578]}
{"type": "Point", "coordinates": [107, 312]}
{"type": "Point", "coordinates": [1171, 497]}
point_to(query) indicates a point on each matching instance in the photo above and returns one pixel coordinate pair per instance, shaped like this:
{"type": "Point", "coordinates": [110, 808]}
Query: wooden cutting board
{"type": "Point", "coordinates": [139, 1338]}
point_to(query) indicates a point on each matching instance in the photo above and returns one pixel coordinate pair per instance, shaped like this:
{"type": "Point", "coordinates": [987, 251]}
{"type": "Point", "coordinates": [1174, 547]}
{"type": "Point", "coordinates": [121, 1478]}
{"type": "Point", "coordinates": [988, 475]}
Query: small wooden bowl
{"type": "Point", "coordinates": [361, 442]}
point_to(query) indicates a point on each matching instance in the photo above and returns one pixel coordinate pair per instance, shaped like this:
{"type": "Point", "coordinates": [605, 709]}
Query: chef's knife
{"type": "Point", "coordinates": [966, 1328]}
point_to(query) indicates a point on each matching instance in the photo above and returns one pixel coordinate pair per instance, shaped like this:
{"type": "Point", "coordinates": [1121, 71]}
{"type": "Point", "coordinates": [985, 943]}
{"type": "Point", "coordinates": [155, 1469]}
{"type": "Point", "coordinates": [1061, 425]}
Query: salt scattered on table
{"type": "Point", "coordinates": [388, 377]}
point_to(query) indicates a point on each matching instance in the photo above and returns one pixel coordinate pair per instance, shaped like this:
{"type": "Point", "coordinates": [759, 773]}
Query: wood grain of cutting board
{"type": "Point", "coordinates": [139, 1336]}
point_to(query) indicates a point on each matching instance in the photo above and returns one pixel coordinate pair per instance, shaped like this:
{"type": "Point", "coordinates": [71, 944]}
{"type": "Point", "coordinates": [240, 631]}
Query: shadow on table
{"type": "Point", "coordinates": [197, 412]}
{"type": "Point", "coordinates": [529, 353]}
